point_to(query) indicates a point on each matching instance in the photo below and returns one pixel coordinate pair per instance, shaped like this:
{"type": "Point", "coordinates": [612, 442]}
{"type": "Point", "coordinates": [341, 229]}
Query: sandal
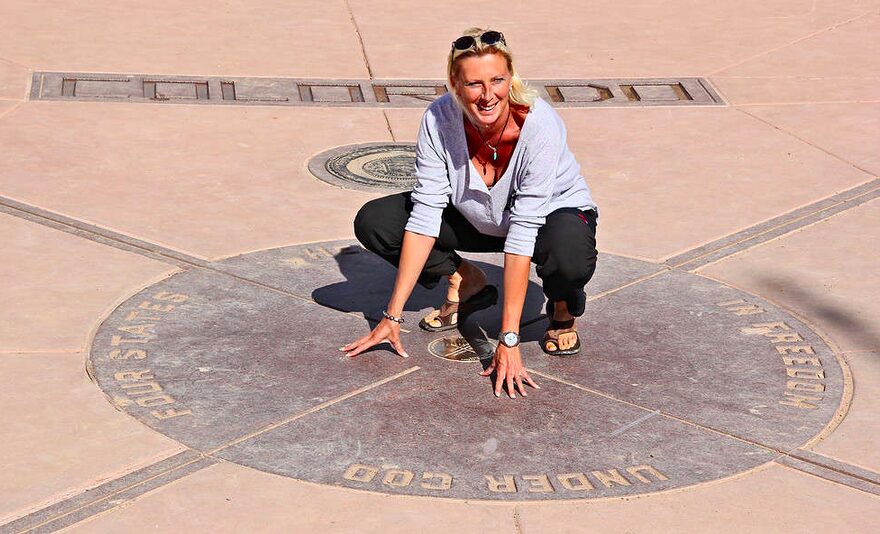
{"type": "Point", "coordinates": [450, 311]}
{"type": "Point", "coordinates": [554, 330]}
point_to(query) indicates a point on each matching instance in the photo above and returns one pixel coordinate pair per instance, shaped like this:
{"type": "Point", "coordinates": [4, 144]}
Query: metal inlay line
{"type": "Point", "coordinates": [110, 494]}
{"type": "Point", "coordinates": [784, 224]}
{"type": "Point", "coordinates": [129, 244]}
{"type": "Point", "coordinates": [836, 465]}
{"type": "Point", "coordinates": [314, 409]}
{"type": "Point", "coordinates": [834, 475]}
{"type": "Point", "coordinates": [99, 235]}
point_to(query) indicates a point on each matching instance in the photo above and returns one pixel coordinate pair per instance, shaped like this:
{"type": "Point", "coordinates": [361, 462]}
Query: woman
{"type": "Point", "coordinates": [494, 174]}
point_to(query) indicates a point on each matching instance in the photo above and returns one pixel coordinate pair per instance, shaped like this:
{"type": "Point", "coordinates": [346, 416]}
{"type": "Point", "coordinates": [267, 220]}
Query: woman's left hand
{"type": "Point", "coordinates": [510, 369]}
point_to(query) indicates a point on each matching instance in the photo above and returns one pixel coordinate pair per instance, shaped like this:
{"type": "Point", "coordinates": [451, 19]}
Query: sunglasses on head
{"type": "Point", "coordinates": [489, 38]}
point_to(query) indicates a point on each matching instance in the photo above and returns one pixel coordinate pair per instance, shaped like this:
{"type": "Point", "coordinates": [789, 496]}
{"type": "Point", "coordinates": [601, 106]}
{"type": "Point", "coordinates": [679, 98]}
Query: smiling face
{"type": "Point", "coordinates": [483, 88]}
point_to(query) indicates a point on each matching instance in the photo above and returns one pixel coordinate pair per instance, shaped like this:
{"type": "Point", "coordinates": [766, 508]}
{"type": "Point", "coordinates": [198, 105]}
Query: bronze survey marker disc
{"type": "Point", "coordinates": [368, 166]}
{"type": "Point", "coordinates": [681, 380]}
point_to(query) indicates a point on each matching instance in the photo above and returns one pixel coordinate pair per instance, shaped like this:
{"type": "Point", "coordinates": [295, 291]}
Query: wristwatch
{"type": "Point", "coordinates": [509, 339]}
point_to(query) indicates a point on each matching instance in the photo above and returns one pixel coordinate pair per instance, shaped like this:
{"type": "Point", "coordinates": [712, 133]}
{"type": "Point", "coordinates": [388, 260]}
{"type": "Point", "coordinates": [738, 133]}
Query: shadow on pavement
{"type": "Point", "coordinates": [816, 306]}
{"type": "Point", "coordinates": [369, 281]}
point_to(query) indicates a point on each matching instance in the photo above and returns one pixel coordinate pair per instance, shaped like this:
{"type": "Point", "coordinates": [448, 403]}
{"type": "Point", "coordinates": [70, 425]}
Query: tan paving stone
{"type": "Point", "coordinates": [774, 499]}
{"type": "Point", "coordinates": [849, 131]}
{"type": "Point", "coordinates": [13, 80]}
{"type": "Point", "coordinates": [595, 39]}
{"type": "Point", "coordinates": [840, 64]}
{"type": "Point", "coordinates": [855, 440]}
{"type": "Point", "coordinates": [405, 123]}
{"type": "Point", "coordinates": [6, 106]}
{"type": "Point", "coordinates": [669, 179]}
{"type": "Point", "coordinates": [770, 90]}
{"type": "Point", "coordinates": [60, 436]}
{"type": "Point", "coordinates": [271, 38]}
{"type": "Point", "coordinates": [56, 285]}
{"type": "Point", "coordinates": [230, 498]}
{"type": "Point", "coordinates": [207, 180]}
{"type": "Point", "coordinates": [826, 272]}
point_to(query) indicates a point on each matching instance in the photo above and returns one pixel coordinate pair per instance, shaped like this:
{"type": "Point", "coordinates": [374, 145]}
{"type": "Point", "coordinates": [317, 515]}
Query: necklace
{"type": "Point", "coordinates": [483, 163]}
{"type": "Point", "coordinates": [497, 141]}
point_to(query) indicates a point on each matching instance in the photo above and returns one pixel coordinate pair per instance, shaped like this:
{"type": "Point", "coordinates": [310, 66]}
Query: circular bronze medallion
{"type": "Point", "coordinates": [459, 349]}
{"type": "Point", "coordinates": [370, 166]}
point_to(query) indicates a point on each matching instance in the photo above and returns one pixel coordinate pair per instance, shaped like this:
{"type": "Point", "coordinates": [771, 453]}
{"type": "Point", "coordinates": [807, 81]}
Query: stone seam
{"type": "Point", "coordinates": [792, 43]}
{"type": "Point", "coordinates": [805, 141]}
{"type": "Point", "coordinates": [15, 106]}
{"type": "Point", "coordinates": [357, 32]}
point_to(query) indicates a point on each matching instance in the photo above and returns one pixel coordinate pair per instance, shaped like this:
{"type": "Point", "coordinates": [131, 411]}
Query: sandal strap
{"type": "Point", "coordinates": [561, 325]}
{"type": "Point", "coordinates": [448, 308]}
{"type": "Point", "coordinates": [448, 313]}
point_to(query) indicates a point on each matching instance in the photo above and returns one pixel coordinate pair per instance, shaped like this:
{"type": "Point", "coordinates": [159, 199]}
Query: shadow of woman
{"type": "Point", "coordinates": [369, 280]}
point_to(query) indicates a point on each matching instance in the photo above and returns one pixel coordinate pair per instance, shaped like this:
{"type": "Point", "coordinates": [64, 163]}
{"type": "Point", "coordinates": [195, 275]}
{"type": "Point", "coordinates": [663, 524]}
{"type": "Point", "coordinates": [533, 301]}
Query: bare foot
{"type": "Point", "coordinates": [566, 340]}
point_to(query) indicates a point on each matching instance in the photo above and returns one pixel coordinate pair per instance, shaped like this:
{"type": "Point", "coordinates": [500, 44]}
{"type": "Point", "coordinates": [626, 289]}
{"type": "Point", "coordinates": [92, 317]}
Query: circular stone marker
{"type": "Point", "coordinates": [368, 166]}
{"type": "Point", "coordinates": [681, 380]}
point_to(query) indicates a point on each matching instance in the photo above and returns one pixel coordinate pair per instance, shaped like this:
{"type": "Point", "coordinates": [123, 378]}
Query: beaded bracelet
{"type": "Point", "coordinates": [398, 320]}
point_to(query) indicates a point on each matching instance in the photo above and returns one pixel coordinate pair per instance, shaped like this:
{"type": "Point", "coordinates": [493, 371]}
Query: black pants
{"type": "Point", "coordinates": [565, 249]}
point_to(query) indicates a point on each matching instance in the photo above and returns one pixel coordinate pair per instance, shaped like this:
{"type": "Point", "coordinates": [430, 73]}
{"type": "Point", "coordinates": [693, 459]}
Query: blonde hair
{"type": "Point", "coordinates": [520, 93]}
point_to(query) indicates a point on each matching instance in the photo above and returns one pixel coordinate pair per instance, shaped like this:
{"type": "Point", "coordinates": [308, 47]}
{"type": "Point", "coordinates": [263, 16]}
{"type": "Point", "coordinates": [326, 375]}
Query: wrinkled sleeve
{"type": "Point", "coordinates": [430, 195]}
{"type": "Point", "coordinates": [533, 192]}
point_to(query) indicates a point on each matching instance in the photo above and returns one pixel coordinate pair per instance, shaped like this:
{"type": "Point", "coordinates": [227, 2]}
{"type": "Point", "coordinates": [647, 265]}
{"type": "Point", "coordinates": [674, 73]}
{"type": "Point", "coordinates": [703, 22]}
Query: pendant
{"type": "Point", "coordinates": [494, 155]}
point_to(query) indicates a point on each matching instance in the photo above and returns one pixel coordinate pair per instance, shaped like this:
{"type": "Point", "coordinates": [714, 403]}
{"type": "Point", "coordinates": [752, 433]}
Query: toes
{"type": "Point", "coordinates": [432, 320]}
{"type": "Point", "coordinates": [551, 346]}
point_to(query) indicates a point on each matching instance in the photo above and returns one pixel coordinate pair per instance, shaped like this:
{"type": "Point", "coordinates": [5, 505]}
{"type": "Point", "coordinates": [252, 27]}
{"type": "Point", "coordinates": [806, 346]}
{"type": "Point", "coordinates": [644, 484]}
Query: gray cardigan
{"type": "Point", "coordinates": [542, 176]}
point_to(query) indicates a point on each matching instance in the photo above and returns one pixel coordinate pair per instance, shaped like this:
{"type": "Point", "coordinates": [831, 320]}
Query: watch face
{"type": "Point", "coordinates": [510, 339]}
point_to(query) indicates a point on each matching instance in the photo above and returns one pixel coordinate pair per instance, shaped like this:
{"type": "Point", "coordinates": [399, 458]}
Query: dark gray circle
{"type": "Point", "coordinates": [681, 380]}
{"type": "Point", "coordinates": [370, 166]}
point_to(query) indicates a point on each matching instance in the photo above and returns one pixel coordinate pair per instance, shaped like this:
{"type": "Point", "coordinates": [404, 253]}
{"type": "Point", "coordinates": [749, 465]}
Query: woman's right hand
{"type": "Point", "coordinates": [386, 331]}
{"type": "Point", "coordinates": [413, 254]}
